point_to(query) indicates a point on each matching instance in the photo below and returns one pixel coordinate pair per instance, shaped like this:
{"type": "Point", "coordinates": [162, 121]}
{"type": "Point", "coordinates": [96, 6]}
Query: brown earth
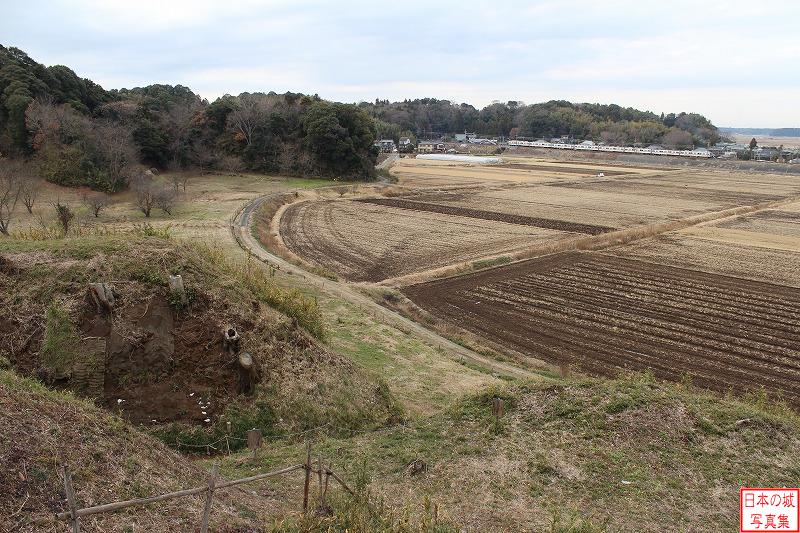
{"type": "Point", "coordinates": [563, 169]}
{"type": "Point", "coordinates": [560, 225]}
{"type": "Point", "coordinates": [603, 314]}
{"type": "Point", "coordinates": [368, 242]}
{"type": "Point", "coordinates": [151, 361]}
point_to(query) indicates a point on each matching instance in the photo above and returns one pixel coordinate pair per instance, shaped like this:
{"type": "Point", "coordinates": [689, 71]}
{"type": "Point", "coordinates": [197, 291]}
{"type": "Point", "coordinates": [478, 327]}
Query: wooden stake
{"type": "Point", "coordinates": [254, 439]}
{"type": "Point", "coordinates": [497, 407]}
{"type": "Point", "coordinates": [73, 507]}
{"type": "Point", "coordinates": [342, 483]}
{"type": "Point", "coordinates": [325, 491]}
{"type": "Point", "coordinates": [212, 481]}
{"type": "Point", "coordinates": [308, 477]}
{"type": "Point", "coordinates": [319, 477]}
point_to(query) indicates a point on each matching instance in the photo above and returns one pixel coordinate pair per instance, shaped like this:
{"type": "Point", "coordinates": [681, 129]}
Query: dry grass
{"type": "Point", "coordinates": [581, 455]}
{"type": "Point", "coordinates": [109, 460]}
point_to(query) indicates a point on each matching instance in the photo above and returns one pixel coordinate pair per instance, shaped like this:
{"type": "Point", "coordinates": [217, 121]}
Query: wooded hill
{"type": "Point", "coordinates": [78, 133]}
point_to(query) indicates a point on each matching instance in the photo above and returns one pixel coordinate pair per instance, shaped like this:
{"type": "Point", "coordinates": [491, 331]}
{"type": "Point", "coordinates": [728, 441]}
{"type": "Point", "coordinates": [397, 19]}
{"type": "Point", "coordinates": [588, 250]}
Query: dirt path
{"type": "Point", "coordinates": [240, 228]}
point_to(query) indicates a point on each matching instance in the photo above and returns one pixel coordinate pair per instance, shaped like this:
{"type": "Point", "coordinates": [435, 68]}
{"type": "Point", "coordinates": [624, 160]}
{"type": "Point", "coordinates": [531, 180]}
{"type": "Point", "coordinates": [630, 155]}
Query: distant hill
{"type": "Point", "coordinates": [771, 132]}
{"type": "Point", "coordinates": [610, 123]}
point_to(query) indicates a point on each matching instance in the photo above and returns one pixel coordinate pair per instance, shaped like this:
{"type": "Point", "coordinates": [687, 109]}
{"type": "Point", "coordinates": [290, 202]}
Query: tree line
{"type": "Point", "coordinates": [74, 132]}
{"type": "Point", "coordinates": [613, 124]}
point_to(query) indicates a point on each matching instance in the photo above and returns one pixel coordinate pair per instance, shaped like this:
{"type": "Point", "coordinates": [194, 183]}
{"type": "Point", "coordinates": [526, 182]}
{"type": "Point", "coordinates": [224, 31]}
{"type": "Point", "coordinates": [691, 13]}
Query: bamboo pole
{"type": "Point", "coordinates": [130, 503]}
{"type": "Point", "coordinates": [259, 476]}
{"type": "Point", "coordinates": [342, 483]}
{"type": "Point", "coordinates": [171, 495]}
{"type": "Point", "coordinates": [73, 507]}
{"type": "Point", "coordinates": [212, 480]}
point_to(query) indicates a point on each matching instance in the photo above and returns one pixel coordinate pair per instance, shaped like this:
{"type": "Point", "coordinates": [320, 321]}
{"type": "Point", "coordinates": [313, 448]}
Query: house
{"type": "Point", "coordinates": [428, 147]}
{"type": "Point", "coordinates": [405, 145]}
{"type": "Point", "coordinates": [385, 145]}
{"type": "Point", "coordinates": [765, 154]}
{"type": "Point", "coordinates": [464, 137]}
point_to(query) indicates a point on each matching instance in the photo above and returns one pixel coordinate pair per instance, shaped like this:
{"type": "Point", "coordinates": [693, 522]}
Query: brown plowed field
{"type": "Point", "coordinates": [522, 220]}
{"type": "Point", "coordinates": [604, 314]}
{"type": "Point", "coordinates": [367, 242]}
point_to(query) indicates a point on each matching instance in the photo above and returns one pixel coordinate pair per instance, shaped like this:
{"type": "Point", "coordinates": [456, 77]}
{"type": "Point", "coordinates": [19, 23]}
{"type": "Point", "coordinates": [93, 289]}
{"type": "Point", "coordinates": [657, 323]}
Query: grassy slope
{"type": "Point", "coordinates": [581, 455]}
{"type": "Point", "coordinates": [303, 383]}
{"type": "Point", "coordinates": [419, 374]}
{"type": "Point", "coordinates": [40, 429]}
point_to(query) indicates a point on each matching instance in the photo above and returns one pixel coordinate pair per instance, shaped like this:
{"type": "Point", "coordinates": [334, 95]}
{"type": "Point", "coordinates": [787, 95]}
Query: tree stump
{"type": "Point", "coordinates": [104, 296]}
{"type": "Point", "coordinates": [417, 466]}
{"type": "Point", "coordinates": [176, 287]}
{"type": "Point", "coordinates": [230, 340]}
{"type": "Point", "coordinates": [248, 373]}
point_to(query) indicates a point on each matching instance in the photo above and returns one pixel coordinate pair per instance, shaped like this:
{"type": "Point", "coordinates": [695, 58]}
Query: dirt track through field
{"type": "Point", "coordinates": [604, 314]}
{"type": "Point", "coordinates": [561, 169]}
{"type": "Point", "coordinates": [522, 220]}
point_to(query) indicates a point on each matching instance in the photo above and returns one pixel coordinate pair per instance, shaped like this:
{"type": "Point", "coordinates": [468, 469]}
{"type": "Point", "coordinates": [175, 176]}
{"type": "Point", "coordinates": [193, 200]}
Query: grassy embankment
{"type": "Point", "coordinates": [631, 454]}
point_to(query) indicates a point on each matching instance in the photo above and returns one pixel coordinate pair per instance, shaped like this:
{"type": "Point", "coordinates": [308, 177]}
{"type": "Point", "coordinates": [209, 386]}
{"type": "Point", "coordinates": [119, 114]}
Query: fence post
{"type": "Point", "coordinates": [212, 481]}
{"type": "Point", "coordinates": [308, 477]}
{"type": "Point", "coordinates": [497, 407]}
{"type": "Point", "coordinates": [254, 439]}
{"type": "Point", "coordinates": [73, 507]}
{"type": "Point", "coordinates": [319, 478]}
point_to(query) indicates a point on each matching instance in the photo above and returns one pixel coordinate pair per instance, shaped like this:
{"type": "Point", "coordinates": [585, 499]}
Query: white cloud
{"type": "Point", "coordinates": [717, 57]}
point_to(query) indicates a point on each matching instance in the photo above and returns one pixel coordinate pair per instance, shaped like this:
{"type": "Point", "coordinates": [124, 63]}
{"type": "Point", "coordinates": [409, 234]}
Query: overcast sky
{"type": "Point", "coordinates": [735, 62]}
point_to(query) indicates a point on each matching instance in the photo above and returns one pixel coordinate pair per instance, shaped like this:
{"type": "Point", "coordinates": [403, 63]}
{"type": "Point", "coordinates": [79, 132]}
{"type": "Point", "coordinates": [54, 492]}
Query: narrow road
{"type": "Point", "coordinates": [388, 161]}
{"type": "Point", "coordinates": [240, 227]}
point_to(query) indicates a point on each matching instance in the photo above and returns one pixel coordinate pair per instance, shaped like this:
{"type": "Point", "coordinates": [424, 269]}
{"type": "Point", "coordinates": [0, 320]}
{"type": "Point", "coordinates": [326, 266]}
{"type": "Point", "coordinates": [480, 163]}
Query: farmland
{"type": "Point", "coordinates": [706, 289]}
{"type": "Point", "coordinates": [441, 214]}
{"type": "Point", "coordinates": [367, 242]}
{"type": "Point", "coordinates": [603, 314]}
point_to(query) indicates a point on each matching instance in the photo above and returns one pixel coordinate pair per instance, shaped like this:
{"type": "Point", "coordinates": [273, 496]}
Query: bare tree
{"type": "Point", "coordinates": [145, 193]}
{"type": "Point", "coordinates": [166, 199]}
{"type": "Point", "coordinates": [177, 178]}
{"type": "Point", "coordinates": [30, 191]}
{"type": "Point", "coordinates": [115, 144]}
{"type": "Point", "coordinates": [64, 214]}
{"type": "Point", "coordinates": [250, 112]}
{"type": "Point", "coordinates": [96, 202]}
{"type": "Point", "coordinates": [10, 187]}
